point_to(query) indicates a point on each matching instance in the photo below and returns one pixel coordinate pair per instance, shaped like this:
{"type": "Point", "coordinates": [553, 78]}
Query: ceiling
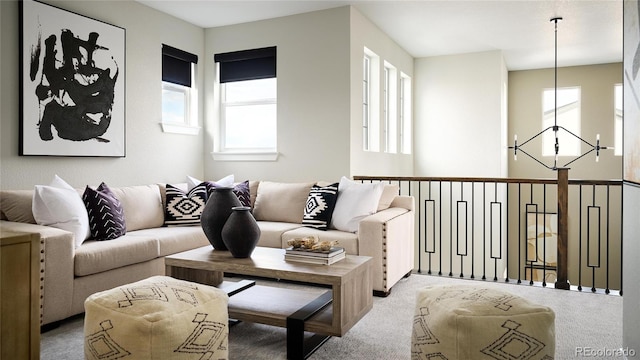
{"type": "Point", "coordinates": [590, 32]}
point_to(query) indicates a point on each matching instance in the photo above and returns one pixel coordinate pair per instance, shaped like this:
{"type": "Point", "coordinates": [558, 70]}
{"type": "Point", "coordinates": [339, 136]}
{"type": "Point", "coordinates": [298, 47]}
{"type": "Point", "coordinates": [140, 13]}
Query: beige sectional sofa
{"type": "Point", "coordinates": [71, 273]}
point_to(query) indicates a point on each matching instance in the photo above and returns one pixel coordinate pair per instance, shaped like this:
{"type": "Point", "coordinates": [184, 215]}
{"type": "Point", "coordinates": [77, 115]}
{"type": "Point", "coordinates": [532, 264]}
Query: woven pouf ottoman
{"type": "Point", "coordinates": [157, 318]}
{"type": "Point", "coordinates": [474, 322]}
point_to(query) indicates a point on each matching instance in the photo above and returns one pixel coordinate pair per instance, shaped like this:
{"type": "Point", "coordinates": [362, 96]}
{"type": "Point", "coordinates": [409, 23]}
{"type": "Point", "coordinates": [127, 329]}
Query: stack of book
{"type": "Point", "coordinates": [313, 256]}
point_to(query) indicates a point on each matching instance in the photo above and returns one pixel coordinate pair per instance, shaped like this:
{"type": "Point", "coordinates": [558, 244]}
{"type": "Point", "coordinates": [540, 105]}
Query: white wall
{"type": "Point", "coordinates": [631, 267]}
{"type": "Point", "coordinates": [459, 115]}
{"type": "Point", "coordinates": [151, 156]}
{"type": "Point", "coordinates": [366, 34]}
{"type": "Point", "coordinates": [313, 95]}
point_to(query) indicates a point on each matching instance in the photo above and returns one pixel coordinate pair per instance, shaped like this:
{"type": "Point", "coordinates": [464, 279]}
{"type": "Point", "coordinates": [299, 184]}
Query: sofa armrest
{"type": "Point", "coordinates": [403, 201]}
{"type": "Point", "coordinates": [388, 237]}
{"type": "Point", "coordinates": [57, 246]}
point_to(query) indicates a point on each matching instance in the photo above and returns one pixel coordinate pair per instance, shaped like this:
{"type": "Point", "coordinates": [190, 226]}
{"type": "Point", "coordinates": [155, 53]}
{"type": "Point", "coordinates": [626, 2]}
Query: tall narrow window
{"type": "Point", "coordinates": [371, 101]}
{"type": "Point", "coordinates": [366, 100]}
{"type": "Point", "coordinates": [390, 108]}
{"type": "Point", "coordinates": [405, 114]}
{"type": "Point", "coordinates": [568, 117]}
{"type": "Point", "coordinates": [179, 95]}
{"type": "Point", "coordinates": [618, 120]}
{"type": "Point", "coordinates": [248, 99]}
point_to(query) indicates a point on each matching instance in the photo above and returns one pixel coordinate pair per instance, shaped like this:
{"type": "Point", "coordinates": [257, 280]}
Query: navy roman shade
{"type": "Point", "coordinates": [176, 65]}
{"type": "Point", "coordinates": [247, 64]}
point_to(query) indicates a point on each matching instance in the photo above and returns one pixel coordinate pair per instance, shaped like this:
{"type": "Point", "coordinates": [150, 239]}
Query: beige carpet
{"type": "Point", "coordinates": [583, 321]}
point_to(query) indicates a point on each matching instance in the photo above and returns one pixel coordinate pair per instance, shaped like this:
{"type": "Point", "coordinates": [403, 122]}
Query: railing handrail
{"type": "Point", "coordinates": [564, 188]}
{"type": "Point", "coordinates": [611, 182]}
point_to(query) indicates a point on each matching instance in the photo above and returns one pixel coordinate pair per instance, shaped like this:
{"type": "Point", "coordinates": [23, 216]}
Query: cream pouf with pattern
{"type": "Point", "coordinates": [157, 318]}
{"type": "Point", "coordinates": [473, 322]}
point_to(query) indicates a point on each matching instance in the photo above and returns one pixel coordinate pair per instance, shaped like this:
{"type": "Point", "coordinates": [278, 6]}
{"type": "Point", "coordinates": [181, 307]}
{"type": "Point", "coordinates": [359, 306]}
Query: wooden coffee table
{"type": "Point", "coordinates": [331, 314]}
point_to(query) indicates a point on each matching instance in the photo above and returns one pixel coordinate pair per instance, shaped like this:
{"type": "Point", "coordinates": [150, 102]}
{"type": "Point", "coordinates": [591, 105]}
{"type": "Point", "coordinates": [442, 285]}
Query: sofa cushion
{"type": "Point", "coordinates": [106, 217]}
{"type": "Point", "coordinates": [271, 232]}
{"type": "Point", "coordinates": [355, 202]}
{"type": "Point", "coordinates": [59, 205]}
{"type": "Point", "coordinates": [283, 202]}
{"type": "Point", "coordinates": [15, 205]}
{"type": "Point", "coordinates": [320, 205]}
{"type": "Point", "coordinates": [253, 191]}
{"type": "Point", "coordinates": [184, 208]}
{"type": "Point", "coordinates": [97, 256]}
{"type": "Point", "coordinates": [346, 240]}
{"type": "Point", "coordinates": [142, 206]}
{"type": "Point", "coordinates": [173, 240]}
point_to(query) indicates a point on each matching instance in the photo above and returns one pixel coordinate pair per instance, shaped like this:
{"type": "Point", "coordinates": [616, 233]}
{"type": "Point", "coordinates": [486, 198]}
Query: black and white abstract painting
{"type": "Point", "coordinates": [72, 84]}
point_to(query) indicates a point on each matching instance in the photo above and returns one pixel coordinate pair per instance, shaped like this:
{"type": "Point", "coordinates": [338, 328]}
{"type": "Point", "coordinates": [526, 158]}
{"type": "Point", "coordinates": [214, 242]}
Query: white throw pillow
{"type": "Point", "coordinates": [59, 205]}
{"type": "Point", "coordinates": [226, 181]}
{"type": "Point", "coordinates": [355, 202]}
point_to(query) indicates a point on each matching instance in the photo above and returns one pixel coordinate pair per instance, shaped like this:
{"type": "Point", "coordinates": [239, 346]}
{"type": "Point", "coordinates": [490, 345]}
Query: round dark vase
{"type": "Point", "coordinates": [215, 214]}
{"type": "Point", "coordinates": [241, 232]}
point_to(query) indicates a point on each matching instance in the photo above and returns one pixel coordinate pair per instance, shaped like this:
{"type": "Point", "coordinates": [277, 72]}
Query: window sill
{"type": "Point", "coordinates": [177, 128]}
{"type": "Point", "coordinates": [245, 156]}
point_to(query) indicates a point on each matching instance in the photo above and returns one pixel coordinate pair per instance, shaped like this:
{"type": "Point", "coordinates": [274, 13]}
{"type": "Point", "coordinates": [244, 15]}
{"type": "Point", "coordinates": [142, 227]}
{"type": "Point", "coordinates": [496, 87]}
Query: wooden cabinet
{"type": "Point", "coordinates": [19, 295]}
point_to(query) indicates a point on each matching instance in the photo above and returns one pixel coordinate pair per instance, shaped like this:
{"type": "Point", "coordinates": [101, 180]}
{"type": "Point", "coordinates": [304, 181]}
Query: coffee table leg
{"type": "Point", "coordinates": [297, 347]}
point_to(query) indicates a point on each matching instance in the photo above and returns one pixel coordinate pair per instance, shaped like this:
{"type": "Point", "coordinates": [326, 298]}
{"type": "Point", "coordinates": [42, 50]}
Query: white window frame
{"type": "Point", "coordinates": [222, 152]}
{"type": "Point", "coordinates": [366, 101]}
{"type": "Point", "coordinates": [371, 133]}
{"type": "Point", "coordinates": [618, 119]}
{"type": "Point", "coordinates": [406, 118]}
{"type": "Point", "coordinates": [189, 123]}
{"type": "Point", "coordinates": [390, 109]}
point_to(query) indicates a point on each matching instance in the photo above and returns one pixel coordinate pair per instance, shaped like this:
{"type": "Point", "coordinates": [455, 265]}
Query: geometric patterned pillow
{"type": "Point", "coordinates": [319, 207]}
{"type": "Point", "coordinates": [184, 209]}
{"type": "Point", "coordinates": [241, 190]}
{"type": "Point", "coordinates": [106, 216]}
{"type": "Point", "coordinates": [243, 193]}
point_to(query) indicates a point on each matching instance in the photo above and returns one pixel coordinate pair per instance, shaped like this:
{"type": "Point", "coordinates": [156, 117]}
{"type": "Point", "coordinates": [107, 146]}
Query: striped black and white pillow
{"type": "Point", "coordinates": [106, 215]}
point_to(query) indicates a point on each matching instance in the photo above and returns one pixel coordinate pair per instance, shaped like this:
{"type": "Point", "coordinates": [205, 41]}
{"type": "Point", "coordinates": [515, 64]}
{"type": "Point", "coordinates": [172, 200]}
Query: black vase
{"type": "Point", "coordinates": [215, 214]}
{"type": "Point", "coordinates": [241, 232]}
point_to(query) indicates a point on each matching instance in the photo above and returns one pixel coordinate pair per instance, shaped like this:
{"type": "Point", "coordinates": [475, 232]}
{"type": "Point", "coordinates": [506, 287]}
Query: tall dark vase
{"type": "Point", "coordinates": [241, 232]}
{"type": "Point", "coordinates": [215, 214]}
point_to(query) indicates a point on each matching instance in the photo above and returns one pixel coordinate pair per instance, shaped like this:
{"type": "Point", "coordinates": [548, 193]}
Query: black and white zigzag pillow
{"type": "Point", "coordinates": [184, 209]}
{"type": "Point", "coordinates": [106, 216]}
{"type": "Point", "coordinates": [320, 205]}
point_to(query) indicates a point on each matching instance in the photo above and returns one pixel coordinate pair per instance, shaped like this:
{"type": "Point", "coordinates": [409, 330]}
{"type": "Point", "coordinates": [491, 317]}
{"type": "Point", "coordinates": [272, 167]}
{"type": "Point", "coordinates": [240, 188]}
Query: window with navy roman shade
{"type": "Point", "coordinates": [247, 64]}
{"type": "Point", "coordinates": [176, 65]}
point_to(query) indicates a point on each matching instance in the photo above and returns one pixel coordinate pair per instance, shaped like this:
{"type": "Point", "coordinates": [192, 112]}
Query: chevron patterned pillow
{"type": "Point", "coordinates": [106, 216]}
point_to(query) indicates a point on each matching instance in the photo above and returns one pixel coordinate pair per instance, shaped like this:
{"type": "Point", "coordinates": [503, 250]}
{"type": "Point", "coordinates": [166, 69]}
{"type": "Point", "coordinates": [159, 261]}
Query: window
{"type": "Point", "coordinates": [366, 101]}
{"type": "Point", "coordinates": [370, 101]}
{"type": "Point", "coordinates": [405, 114]}
{"type": "Point", "coordinates": [390, 90]}
{"type": "Point", "coordinates": [248, 105]}
{"type": "Point", "coordinates": [568, 117]}
{"type": "Point", "coordinates": [618, 120]}
{"type": "Point", "coordinates": [179, 96]}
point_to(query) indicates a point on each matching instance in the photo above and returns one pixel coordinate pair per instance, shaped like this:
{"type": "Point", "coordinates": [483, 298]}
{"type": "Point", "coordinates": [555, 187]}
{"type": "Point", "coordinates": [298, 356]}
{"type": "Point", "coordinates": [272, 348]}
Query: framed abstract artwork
{"type": "Point", "coordinates": [72, 85]}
